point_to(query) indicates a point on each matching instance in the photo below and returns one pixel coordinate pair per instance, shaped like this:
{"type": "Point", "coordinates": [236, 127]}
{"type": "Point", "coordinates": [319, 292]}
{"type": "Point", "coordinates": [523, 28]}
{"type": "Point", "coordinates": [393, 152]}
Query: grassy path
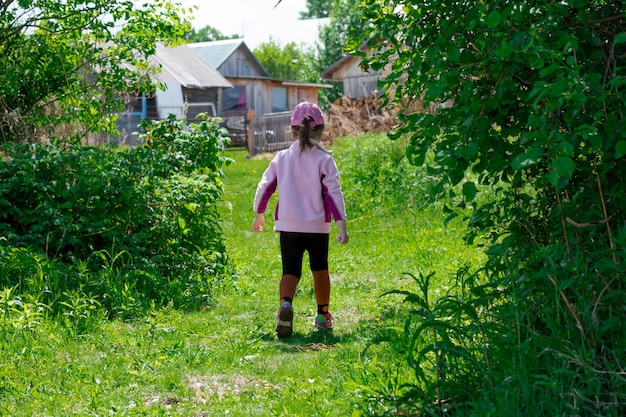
{"type": "Point", "coordinates": [225, 360]}
{"type": "Point", "coordinates": [312, 373]}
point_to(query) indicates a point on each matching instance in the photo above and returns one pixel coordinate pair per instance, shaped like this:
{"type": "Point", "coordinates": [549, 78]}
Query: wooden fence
{"type": "Point", "coordinates": [271, 134]}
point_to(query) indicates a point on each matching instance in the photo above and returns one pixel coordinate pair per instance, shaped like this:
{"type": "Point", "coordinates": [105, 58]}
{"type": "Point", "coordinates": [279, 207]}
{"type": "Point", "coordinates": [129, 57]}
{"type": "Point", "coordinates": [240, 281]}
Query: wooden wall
{"type": "Point", "coordinates": [356, 83]}
{"type": "Point", "coordinates": [259, 94]}
{"type": "Point", "coordinates": [238, 65]}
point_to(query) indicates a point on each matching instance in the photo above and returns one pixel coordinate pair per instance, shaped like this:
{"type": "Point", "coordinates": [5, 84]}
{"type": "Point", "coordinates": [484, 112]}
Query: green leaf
{"type": "Point", "coordinates": [557, 180]}
{"type": "Point", "coordinates": [435, 90]}
{"type": "Point", "coordinates": [548, 70]}
{"type": "Point", "coordinates": [469, 190]}
{"type": "Point", "coordinates": [620, 38]}
{"type": "Point", "coordinates": [553, 177]}
{"type": "Point", "coordinates": [454, 53]}
{"type": "Point", "coordinates": [414, 156]}
{"type": "Point", "coordinates": [493, 19]}
{"type": "Point", "coordinates": [449, 218]}
{"type": "Point", "coordinates": [469, 151]}
{"type": "Point", "coordinates": [537, 63]}
{"type": "Point", "coordinates": [504, 50]}
{"type": "Point", "coordinates": [620, 149]}
{"type": "Point", "coordinates": [564, 166]}
{"type": "Point", "coordinates": [527, 159]}
{"type": "Point", "coordinates": [565, 148]}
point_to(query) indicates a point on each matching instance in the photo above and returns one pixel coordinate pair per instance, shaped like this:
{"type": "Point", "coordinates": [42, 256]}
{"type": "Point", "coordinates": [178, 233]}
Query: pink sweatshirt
{"type": "Point", "coordinates": [309, 193]}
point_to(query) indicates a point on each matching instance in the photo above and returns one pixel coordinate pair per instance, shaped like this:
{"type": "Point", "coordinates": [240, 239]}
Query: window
{"type": "Point", "coordinates": [234, 99]}
{"type": "Point", "coordinates": [279, 99]}
{"type": "Point", "coordinates": [194, 109]}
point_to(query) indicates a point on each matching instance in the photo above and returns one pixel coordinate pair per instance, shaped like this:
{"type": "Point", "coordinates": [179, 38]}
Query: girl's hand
{"type": "Point", "coordinates": [343, 236]}
{"type": "Point", "coordinates": [258, 223]}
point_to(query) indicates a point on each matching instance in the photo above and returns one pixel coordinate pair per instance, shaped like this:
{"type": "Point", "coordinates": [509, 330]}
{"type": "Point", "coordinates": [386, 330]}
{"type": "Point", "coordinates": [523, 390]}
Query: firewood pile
{"type": "Point", "coordinates": [353, 117]}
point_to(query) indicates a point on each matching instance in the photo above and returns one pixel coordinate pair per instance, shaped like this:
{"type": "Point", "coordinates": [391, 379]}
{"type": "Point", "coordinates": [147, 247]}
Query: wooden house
{"type": "Point", "coordinates": [357, 81]}
{"type": "Point", "coordinates": [257, 102]}
{"type": "Point", "coordinates": [191, 87]}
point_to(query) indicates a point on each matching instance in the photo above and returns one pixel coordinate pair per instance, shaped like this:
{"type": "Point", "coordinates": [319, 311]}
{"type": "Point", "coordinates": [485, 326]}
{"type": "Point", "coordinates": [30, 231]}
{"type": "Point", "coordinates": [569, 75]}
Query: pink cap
{"type": "Point", "coordinates": [304, 110]}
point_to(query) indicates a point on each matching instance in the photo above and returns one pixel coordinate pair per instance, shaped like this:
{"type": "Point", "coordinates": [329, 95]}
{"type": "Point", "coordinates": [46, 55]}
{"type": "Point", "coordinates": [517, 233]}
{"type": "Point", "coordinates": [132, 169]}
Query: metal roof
{"type": "Point", "coordinates": [216, 52]}
{"type": "Point", "coordinates": [183, 65]}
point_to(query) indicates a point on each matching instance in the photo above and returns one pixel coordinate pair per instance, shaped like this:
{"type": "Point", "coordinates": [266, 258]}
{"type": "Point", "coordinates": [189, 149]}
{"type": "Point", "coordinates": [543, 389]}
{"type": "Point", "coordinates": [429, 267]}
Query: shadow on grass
{"type": "Point", "coordinates": [314, 340]}
{"type": "Point", "coordinates": [372, 332]}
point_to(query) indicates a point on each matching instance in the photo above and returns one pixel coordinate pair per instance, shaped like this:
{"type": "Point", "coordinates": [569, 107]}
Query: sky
{"type": "Point", "coordinates": [257, 20]}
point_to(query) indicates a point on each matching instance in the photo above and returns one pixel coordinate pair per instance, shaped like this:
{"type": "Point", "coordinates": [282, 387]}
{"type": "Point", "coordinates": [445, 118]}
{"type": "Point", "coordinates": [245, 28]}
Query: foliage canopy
{"type": "Point", "coordinates": [538, 105]}
{"type": "Point", "coordinates": [207, 34]}
{"type": "Point", "coordinates": [70, 62]}
{"type": "Point", "coordinates": [316, 9]}
{"type": "Point", "coordinates": [535, 95]}
{"type": "Point", "coordinates": [125, 227]}
{"type": "Point", "coordinates": [287, 62]}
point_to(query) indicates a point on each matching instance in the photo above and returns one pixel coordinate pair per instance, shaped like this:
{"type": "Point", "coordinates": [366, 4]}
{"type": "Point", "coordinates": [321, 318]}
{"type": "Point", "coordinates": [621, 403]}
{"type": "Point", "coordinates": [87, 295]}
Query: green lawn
{"type": "Point", "coordinates": [225, 359]}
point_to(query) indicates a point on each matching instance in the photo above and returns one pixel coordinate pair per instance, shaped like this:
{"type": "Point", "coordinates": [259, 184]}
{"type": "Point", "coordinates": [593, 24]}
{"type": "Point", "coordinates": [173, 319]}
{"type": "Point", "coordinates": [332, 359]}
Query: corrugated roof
{"type": "Point", "coordinates": [183, 65]}
{"type": "Point", "coordinates": [216, 52]}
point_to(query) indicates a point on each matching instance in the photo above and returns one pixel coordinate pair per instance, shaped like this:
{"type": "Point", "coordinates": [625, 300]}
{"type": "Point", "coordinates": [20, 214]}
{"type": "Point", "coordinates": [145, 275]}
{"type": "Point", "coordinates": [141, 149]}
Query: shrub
{"type": "Point", "coordinates": [533, 114]}
{"type": "Point", "coordinates": [128, 224]}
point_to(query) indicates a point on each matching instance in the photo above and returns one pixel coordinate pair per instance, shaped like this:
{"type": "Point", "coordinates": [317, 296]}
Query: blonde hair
{"type": "Point", "coordinates": [307, 134]}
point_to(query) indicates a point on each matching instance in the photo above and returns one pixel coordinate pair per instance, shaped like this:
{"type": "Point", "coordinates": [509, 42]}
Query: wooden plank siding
{"type": "Point", "coordinates": [266, 98]}
{"type": "Point", "coordinates": [239, 65]}
{"type": "Point", "coordinates": [360, 86]}
{"type": "Point", "coordinates": [356, 82]}
{"type": "Point", "coordinates": [261, 116]}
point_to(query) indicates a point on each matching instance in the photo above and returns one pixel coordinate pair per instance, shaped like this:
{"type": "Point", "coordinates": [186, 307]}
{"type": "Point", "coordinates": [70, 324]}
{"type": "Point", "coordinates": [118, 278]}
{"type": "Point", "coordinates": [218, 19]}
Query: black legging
{"type": "Point", "coordinates": [293, 245]}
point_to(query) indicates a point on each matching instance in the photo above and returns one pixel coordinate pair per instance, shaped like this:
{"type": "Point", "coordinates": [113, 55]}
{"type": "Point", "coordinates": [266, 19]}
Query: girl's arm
{"type": "Point", "coordinates": [265, 190]}
{"type": "Point", "coordinates": [334, 199]}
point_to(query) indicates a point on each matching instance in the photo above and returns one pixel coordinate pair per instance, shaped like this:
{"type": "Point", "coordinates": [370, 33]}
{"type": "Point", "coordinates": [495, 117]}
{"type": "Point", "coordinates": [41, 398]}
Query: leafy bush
{"type": "Point", "coordinates": [126, 227]}
{"type": "Point", "coordinates": [534, 111]}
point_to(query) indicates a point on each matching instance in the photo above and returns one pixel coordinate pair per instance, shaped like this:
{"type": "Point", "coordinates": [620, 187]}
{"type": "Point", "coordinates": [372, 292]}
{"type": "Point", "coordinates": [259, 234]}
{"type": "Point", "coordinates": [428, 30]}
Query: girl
{"type": "Point", "coordinates": [309, 198]}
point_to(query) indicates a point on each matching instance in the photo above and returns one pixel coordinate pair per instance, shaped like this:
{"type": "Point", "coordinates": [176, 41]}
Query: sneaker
{"type": "Point", "coordinates": [284, 320]}
{"type": "Point", "coordinates": [323, 322]}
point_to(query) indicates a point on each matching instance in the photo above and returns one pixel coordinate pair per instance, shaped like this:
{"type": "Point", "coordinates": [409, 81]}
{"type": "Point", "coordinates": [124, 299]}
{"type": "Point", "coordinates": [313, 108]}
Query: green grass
{"type": "Point", "coordinates": [225, 359]}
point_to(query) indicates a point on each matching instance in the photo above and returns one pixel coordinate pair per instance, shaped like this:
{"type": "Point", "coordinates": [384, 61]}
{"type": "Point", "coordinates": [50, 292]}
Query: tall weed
{"type": "Point", "coordinates": [535, 330]}
{"type": "Point", "coordinates": [448, 336]}
{"type": "Point", "coordinates": [568, 354]}
{"type": "Point", "coordinates": [527, 336]}
{"type": "Point", "coordinates": [377, 176]}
